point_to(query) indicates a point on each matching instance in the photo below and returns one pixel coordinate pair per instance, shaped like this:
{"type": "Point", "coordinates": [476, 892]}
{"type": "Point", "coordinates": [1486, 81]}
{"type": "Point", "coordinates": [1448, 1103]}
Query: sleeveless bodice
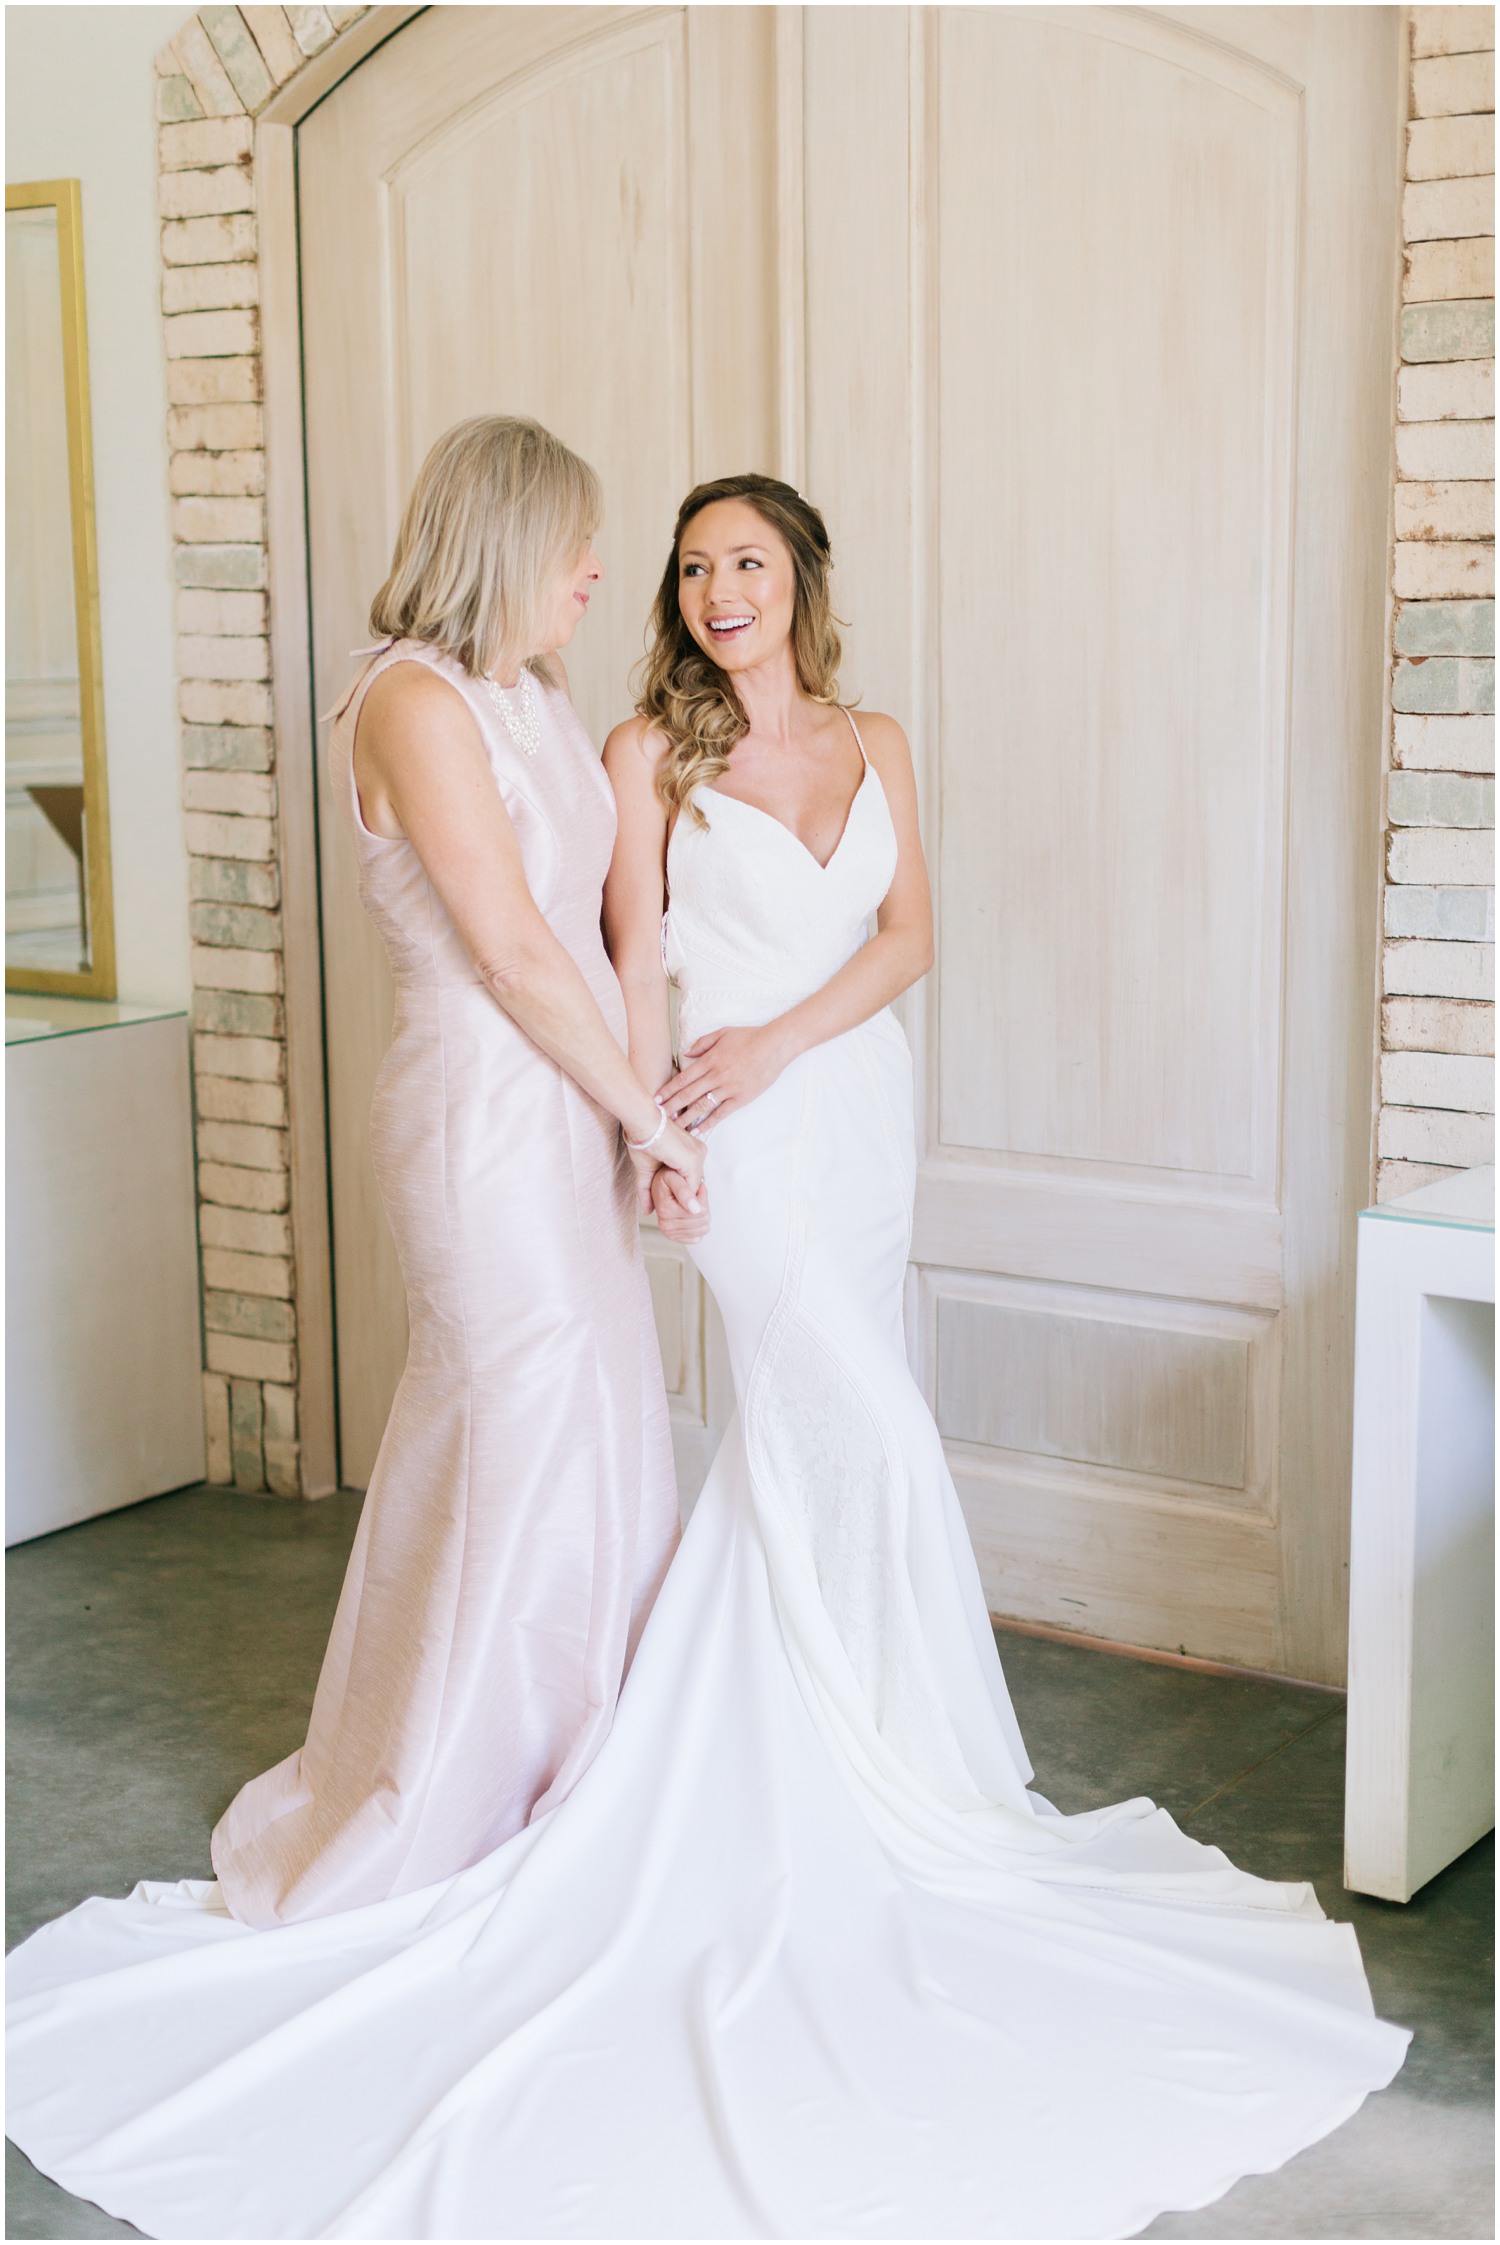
{"type": "Point", "coordinates": [562, 808]}
{"type": "Point", "coordinates": [754, 924]}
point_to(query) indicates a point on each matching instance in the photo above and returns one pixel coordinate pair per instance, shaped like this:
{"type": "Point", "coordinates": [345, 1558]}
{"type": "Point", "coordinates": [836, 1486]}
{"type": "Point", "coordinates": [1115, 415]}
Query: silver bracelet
{"type": "Point", "coordinates": [645, 1145]}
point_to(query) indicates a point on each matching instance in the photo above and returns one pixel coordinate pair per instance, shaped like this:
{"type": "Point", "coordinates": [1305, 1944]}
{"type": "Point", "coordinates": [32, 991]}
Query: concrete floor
{"type": "Point", "coordinates": [159, 1657]}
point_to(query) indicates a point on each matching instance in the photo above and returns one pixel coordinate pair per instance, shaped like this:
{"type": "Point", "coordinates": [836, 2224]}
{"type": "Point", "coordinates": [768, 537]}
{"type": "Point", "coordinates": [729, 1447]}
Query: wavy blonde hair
{"type": "Point", "coordinates": [685, 696]}
{"type": "Point", "coordinates": [499, 508]}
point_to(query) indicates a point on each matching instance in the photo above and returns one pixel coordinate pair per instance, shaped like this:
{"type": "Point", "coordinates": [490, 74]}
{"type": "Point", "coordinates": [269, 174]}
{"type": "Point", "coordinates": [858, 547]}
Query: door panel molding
{"type": "Point", "coordinates": [1115, 739]}
{"type": "Point", "coordinates": [1110, 998]}
{"type": "Point", "coordinates": [1133, 1394]}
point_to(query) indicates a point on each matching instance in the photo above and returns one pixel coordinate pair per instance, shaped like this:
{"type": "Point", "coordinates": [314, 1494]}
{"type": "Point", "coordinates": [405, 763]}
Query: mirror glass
{"type": "Point", "coordinates": [56, 891]}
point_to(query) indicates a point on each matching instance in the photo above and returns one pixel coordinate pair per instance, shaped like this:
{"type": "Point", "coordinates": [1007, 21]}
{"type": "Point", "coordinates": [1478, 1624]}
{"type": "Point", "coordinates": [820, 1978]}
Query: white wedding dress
{"type": "Point", "coordinates": [799, 1956]}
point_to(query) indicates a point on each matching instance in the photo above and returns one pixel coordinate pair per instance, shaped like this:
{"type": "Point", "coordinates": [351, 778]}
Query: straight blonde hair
{"type": "Point", "coordinates": [499, 509]}
{"type": "Point", "coordinates": [684, 695]}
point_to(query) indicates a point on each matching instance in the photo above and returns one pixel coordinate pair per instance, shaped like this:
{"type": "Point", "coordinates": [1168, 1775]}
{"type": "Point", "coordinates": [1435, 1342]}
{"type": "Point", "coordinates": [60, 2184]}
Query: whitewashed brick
{"type": "Point", "coordinates": [1446, 627]}
{"type": "Point", "coordinates": [1439, 799]}
{"type": "Point", "coordinates": [1444, 570]}
{"type": "Point", "coordinates": [221, 568]}
{"type": "Point", "coordinates": [1437, 1025]}
{"type": "Point", "coordinates": [252, 1189]}
{"type": "Point", "coordinates": [211, 82]}
{"type": "Point", "coordinates": [223, 658]}
{"type": "Point", "coordinates": [1393, 1178]}
{"type": "Point", "coordinates": [1445, 1136]}
{"type": "Point", "coordinates": [201, 147]}
{"type": "Point", "coordinates": [339, 16]}
{"type": "Point", "coordinates": [256, 1317]}
{"type": "Point", "coordinates": [232, 1273]}
{"type": "Point", "coordinates": [244, 1229]}
{"type": "Point", "coordinates": [1456, 390]}
{"type": "Point", "coordinates": [216, 1428]}
{"type": "Point", "coordinates": [1451, 31]}
{"type": "Point", "coordinates": [1449, 147]}
{"type": "Point", "coordinates": [222, 615]}
{"type": "Point", "coordinates": [1436, 270]}
{"type": "Point", "coordinates": [281, 1414]}
{"type": "Point", "coordinates": [205, 194]}
{"type": "Point", "coordinates": [218, 474]}
{"type": "Point", "coordinates": [230, 880]}
{"type": "Point", "coordinates": [207, 382]}
{"type": "Point", "coordinates": [227, 748]}
{"type": "Point", "coordinates": [213, 522]}
{"type": "Point", "coordinates": [244, 794]}
{"type": "Point", "coordinates": [273, 35]}
{"type": "Point", "coordinates": [234, 1013]}
{"type": "Point", "coordinates": [242, 1145]}
{"type": "Point", "coordinates": [1441, 857]}
{"type": "Point", "coordinates": [213, 240]}
{"type": "Point", "coordinates": [1445, 510]}
{"type": "Point", "coordinates": [1453, 85]}
{"type": "Point", "coordinates": [217, 427]}
{"type": "Point", "coordinates": [252, 1059]}
{"type": "Point", "coordinates": [250, 1360]}
{"type": "Point", "coordinates": [312, 28]}
{"type": "Point", "coordinates": [209, 288]}
{"type": "Point", "coordinates": [1440, 210]}
{"type": "Point", "coordinates": [239, 54]}
{"type": "Point", "coordinates": [228, 1099]}
{"type": "Point", "coordinates": [1438, 1079]}
{"type": "Point", "coordinates": [211, 701]}
{"type": "Point", "coordinates": [1445, 451]}
{"type": "Point", "coordinates": [211, 335]}
{"type": "Point", "coordinates": [1443, 334]}
{"type": "Point", "coordinates": [283, 1468]}
{"type": "Point", "coordinates": [176, 101]}
{"type": "Point", "coordinates": [1441, 915]}
{"type": "Point", "coordinates": [1445, 744]}
{"type": "Point", "coordinates": [1439, 970]}
{"type": "Point", "coordinates": [223, 968]}
{"type": "Point", "coordinates": [1442, 687]}
{"type": "Point", "coordinates": [236, 927]}
{"type": "Point", "coordinates": [209, 835]}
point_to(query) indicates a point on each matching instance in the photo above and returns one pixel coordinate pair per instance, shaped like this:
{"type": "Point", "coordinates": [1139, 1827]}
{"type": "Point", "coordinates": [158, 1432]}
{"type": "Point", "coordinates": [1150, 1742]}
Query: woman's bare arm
{"type": "Point", "coordinates": [422, 773]}
{"type": "Point", "coordinates": [635, 897]}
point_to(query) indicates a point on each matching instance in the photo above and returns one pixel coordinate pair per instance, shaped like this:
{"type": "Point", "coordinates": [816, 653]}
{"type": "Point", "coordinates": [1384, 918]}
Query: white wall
{"type": "Point", "coordinates": [79, 98]}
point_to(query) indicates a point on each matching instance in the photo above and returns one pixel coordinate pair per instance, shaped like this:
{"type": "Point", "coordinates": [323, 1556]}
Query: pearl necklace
{"type": "Point", "coordinates": [522, 721]}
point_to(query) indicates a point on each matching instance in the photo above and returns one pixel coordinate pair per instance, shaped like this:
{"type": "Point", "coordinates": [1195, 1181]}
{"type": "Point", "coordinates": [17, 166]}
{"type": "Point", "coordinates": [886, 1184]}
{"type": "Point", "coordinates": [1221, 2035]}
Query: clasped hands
{"type": "Point", "coordinates": [719, 1074]}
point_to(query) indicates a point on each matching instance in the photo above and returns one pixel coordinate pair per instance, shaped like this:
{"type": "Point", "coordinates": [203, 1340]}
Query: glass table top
{"type": "Point", "coordinates": [1466, 1200]}
{"type": "Point", "coordinates": [28, 1017]}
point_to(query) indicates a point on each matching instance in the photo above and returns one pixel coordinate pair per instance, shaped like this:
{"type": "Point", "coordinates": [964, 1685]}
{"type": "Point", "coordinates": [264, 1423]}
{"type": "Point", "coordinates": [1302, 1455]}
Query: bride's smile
{"type": "Point", "coordinates": [736, 587]}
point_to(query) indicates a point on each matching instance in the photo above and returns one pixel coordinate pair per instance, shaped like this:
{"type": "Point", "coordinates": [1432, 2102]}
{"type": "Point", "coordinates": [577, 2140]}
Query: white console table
{"type": "Point", "coordinates": [102, 1350]}
{"type": "Point", "coordinates": [1420, 1783]}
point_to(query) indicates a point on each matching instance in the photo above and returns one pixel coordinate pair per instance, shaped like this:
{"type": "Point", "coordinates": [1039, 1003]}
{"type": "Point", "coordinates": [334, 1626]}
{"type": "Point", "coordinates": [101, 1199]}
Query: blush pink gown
{"type": "Point", "coordinates": [523, 1507]}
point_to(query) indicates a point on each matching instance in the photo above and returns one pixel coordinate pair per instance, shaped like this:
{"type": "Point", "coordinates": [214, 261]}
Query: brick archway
{"type": "Point", "coordinates": [229, 73]}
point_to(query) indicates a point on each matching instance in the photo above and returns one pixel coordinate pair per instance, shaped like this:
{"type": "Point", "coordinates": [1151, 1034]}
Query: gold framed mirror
{"type": "Point", "coordinates": [59, 916]}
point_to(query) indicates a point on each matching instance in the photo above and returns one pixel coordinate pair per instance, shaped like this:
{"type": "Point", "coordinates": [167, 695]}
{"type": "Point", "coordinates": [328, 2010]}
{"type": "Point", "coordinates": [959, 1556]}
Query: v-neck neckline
{"type": "Point", "coordinates": [824, 865]}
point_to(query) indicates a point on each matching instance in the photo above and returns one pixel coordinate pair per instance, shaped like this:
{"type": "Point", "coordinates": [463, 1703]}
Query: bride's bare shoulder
{"type": "Point", "coordinates": [883, 737]}
{"type": "Point", "coordinates": [633, 750]}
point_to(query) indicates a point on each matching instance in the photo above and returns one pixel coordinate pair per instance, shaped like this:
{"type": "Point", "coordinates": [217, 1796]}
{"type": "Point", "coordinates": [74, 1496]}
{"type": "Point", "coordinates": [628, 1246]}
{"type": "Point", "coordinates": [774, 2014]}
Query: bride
{"type": "Point", "coordinates": [800, 1955]}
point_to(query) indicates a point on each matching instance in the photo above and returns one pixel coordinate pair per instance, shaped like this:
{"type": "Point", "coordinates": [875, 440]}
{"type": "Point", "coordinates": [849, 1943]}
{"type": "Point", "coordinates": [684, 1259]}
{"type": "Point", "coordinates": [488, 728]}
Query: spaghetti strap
{"type": "Point", "coordinates": [854, 729]}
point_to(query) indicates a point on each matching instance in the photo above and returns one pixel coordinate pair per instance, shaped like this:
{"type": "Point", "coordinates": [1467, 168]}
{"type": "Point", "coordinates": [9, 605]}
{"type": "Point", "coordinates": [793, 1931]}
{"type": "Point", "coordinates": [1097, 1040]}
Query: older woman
{"type": "Point", "coordinates": [523, 1508]}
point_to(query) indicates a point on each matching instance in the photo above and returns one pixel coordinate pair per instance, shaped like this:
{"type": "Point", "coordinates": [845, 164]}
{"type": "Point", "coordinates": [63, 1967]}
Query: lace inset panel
{"type": "Point", "coordinates": [839, 1486]}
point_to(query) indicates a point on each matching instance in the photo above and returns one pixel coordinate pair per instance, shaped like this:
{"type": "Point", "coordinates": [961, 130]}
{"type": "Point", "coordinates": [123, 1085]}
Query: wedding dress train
{"type": "Point", "coordinates": [800, 1955]}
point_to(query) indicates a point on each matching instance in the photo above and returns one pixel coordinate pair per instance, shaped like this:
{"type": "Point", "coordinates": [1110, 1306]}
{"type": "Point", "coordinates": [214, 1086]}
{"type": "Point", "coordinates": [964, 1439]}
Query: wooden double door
{"type": "Point", "coordinates": [1078, 325]}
